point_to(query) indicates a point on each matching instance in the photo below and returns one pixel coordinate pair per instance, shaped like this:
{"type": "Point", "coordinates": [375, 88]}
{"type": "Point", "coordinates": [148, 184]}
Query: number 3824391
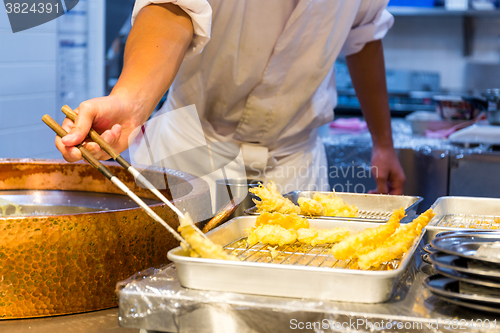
{"type": "Point", "coordinates": [35, 8]}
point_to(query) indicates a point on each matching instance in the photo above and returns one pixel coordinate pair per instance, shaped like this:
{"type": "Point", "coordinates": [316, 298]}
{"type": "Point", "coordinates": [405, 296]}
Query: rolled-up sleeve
{"type": "Point", "coordinates": [200, 12]}
{"type": "Point", "coordinates": [372, 22]}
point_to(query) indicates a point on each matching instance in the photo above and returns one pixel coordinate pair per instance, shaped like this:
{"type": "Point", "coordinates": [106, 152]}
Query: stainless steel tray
{"type": "Point", "coordinates": [469, 266]}
{"type": "Point", "coordinates": [451, 288]}
{"type": "Point", "coordinates": [469, 278]}
{"type": "Point", "coordinates": [308, 273]}
{"type": "Point", "coordinates": [372, 207]}
{"type": "Point", "coordinates": [462, 213]}
{"type": "Point", "coordinates": [466, 245]}
{"type": "Point", "coordinates": [476, 306]}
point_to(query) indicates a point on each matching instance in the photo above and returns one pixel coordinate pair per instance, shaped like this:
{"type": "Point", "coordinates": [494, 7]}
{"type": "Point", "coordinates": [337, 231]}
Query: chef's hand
{"type": "Point", "coordinates": [110, 116]}
{"type": "Point", "coordinates": [387, 170]}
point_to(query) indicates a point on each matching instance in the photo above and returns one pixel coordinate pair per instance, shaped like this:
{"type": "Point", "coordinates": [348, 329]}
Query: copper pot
{"type": "Point", "coordinates": [62, 264]}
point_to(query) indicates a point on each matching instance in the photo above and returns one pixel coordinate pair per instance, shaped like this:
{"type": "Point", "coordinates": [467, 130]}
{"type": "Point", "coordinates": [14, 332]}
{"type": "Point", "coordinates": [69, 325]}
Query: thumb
{"type": "Point", "coordinates": [86, 115]}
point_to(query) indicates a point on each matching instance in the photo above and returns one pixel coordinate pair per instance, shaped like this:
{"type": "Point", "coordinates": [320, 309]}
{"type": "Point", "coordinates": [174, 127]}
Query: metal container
{"type": "Point", "coordinates": [70, 262]}
{"type": "Point", "coordinates": [372, 207]}
{"type": "Point", "coordinates": [239, 189]}
{"type": "Point", "coordinates": [306, 273]}
{"type": "Point", "coordinates": [494, 117]}
{"type": "Point", "coordinates": [463, 213]}
{"type": "Point", "coordinates": [493, 98]}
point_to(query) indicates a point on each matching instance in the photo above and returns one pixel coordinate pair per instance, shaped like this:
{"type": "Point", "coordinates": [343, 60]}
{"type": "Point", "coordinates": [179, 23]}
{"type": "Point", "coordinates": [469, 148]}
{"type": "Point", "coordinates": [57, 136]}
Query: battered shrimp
{"type": "Point", "coordinates": [310, 207]}
{"type": "Point", "coordinates": [314, 236]}
{"type": "Point", "coordinates": [272, 200]}
{"type": "Point", "coordinates": [348, 248]}
{"type": "Point", "coordinates": [272, 235]}
{"type": "Point", "coordinates": [396, 245]}
{"type": "Point", "coordinates": [201, 246]}
{"type": "Point", "coordinates": [335, 206]}
{"type": "Point", "coordinates": [292, 221]}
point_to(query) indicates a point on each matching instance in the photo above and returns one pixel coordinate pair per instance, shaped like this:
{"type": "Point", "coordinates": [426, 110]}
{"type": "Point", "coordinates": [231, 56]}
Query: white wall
{"type": "Point", "coordinates": [27, 89]}
{"type": "Point", "coordinates": [436, 44]}
{"type": "Point", "coordinates": [30, 81]}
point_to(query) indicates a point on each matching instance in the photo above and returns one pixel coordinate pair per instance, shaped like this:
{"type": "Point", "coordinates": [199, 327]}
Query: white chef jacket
{"type": "Point", "coordinates": [260, 73]}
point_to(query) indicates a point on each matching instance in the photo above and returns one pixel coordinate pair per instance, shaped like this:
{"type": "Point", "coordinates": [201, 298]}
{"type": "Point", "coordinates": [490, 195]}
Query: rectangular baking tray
{"type": "Point", "coordinates": [462, 213]}
{"type": "Point", "coordinates": [287, 280]}
{"type": "Point", "coordinates": [372, 207]}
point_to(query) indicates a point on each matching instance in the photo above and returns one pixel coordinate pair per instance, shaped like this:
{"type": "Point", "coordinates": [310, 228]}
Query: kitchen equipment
{"type": "Point", "coordinates": [6, 205]}
{"type": "Point", "coordinates": [472, 305]}
{"type": "Point", "coordinates": [459, 108]}
{"type": "Point", "coordinates": [422, 121]}
{"type": "Point", "coordinates": [462, 214]}
{"type": "Point", "coordinates": [222, 215]}
{"type": "Point", "coordinates": [465, 265]}
{"type": "Point", "coordinates": [463, 291]}
{"type": "Point", "coordinates": [469, 278]}
{"type": "Point", "coordinates": [466, 245]}
{"type": "Point", "coordinates": [372, 207]}
{"type": "Point", "coordinates": [477, 134]}
{"type": "Point", "coordinates": [429, 249]}
{"type": "Point", "coordinates": [494, 117]}
{"type": "Point", "coordinates": [238, 189]}
{"type": "Point", "coordinates": [493, 98]}
{"type": "Point", "coordinates": [291, 273]}
{"type": "Point", "coordinates": [82, 234]}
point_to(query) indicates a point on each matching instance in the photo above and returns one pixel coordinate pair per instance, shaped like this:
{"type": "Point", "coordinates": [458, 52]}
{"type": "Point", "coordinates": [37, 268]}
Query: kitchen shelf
{"type": "Point", "coordinates": [469, 18]}
{"type": "Point", "coordinates": [438, 11]}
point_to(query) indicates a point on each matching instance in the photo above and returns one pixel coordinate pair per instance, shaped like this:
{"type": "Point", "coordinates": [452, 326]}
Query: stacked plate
{"type": "Point", "coordinates": [468, 263]}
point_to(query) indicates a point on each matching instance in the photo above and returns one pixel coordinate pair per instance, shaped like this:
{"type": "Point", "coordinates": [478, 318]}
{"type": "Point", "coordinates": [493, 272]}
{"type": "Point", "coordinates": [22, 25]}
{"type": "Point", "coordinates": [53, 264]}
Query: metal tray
{"type": "Point", "coordinates": [450, 288]}
{"type": "Point", "coordinates": [470, 305]}
{"type": "Point", "coordinates": [468, 266]}
{"type": "Point", "coordinates": [372, 207]}
{"type": "Point", "coordinates": [308, 273]}
{"type": "Point", "coordinates": [482, 281]}
{"type": "Point", "coordinates": [462, 213]}
{"type": "Point", "coordinates": [466, 245]}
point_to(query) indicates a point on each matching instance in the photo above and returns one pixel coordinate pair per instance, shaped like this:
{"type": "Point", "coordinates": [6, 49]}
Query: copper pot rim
{"type": "Point", "coordinates": [198, 186]}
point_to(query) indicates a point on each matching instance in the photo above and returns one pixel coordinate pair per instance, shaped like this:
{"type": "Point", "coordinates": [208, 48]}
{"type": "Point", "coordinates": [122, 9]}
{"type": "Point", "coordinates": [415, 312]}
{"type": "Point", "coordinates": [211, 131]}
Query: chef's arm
{"type": "Point", "coordinates": [154, 52]}
{"type": "Point", "coordinates": [367, 72]}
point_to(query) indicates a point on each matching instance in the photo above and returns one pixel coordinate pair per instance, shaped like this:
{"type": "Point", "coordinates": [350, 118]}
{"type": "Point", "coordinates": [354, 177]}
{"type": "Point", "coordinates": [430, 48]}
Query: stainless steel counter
{"type": "Point", "coordinates": [155, 301]}
{"type": "Point", "coordinates": [105, 321]}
